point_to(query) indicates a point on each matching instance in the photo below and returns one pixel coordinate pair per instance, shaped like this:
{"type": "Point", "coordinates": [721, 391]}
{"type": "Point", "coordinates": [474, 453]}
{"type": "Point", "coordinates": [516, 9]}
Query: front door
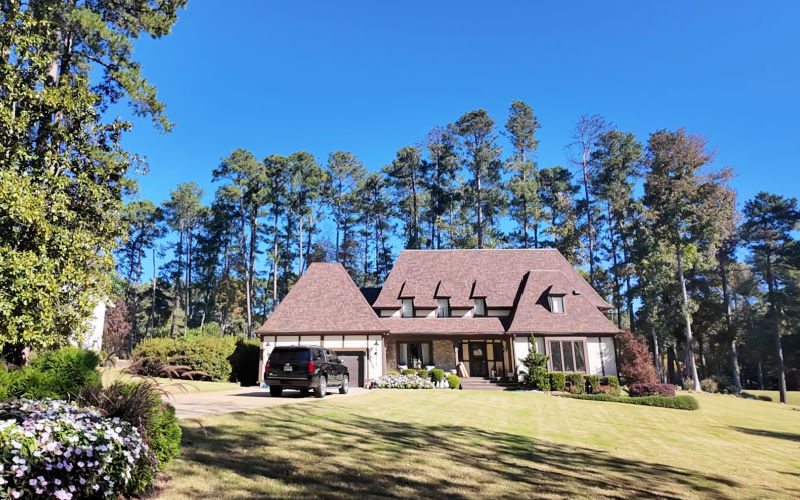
{"type": "Point", "coordinates": [477, 359]}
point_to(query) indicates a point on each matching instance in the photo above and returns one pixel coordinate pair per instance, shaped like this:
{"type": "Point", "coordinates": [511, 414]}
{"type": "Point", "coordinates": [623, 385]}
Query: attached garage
{"type": "Point", "coordinates": [354, 361]}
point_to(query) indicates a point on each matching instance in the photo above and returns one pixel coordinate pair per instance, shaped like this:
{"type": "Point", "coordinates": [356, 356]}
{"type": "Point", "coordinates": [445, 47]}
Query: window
{"type": "Point", "coordinates": [567, 356]}
{"type": "Point", "coordinates": [332, 357]}
{"type": "Point", "coordinates": [480, 307]}
{"type": "Point", "coordinates": [444, 308]}
{"type": "Point", "coordinates": [556, 303]}
{"type": "Point", "coordinates": [408, 308]}
{"type": "Point", "coordinates": [414, 354]}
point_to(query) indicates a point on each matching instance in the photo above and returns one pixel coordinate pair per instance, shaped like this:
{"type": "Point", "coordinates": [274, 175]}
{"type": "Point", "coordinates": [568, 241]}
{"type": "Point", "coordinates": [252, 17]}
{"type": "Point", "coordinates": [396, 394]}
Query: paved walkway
{"type": "Point", "coordinates": [198, 404]}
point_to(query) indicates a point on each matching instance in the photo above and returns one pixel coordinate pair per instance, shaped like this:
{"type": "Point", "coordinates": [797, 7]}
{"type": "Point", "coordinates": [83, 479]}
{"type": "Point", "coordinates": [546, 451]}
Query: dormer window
{"type": "Point", "coordinates": [556, 303]}
{"type": "Point", "coordinates": [444, 308]}
{"type": "Point", "coordinates": [408, 308]}
{"type": "Point", "coordinates": [480, 307]}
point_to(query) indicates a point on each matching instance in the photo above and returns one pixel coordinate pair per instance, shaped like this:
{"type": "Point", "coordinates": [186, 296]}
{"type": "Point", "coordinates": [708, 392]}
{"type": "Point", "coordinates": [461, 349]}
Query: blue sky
{"type": "Point", "coordinates": [371, 77]}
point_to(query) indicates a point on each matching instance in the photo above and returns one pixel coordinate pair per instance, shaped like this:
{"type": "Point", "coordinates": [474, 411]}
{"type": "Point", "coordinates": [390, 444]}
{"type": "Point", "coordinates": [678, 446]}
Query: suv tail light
{"type": "Point", "coordinates": [266, 367]}
{"type": "Point", "coordinates": [311, 367]}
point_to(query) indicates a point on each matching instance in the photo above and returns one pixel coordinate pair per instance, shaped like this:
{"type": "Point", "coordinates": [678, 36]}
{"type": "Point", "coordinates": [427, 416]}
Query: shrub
{"type": "Point", "coordinates": [557, 381]}
{"type": "Point", "coordinates": [535, 363]}
{"type": "Point", "coordinates": [71, 368]}
{"type": "Point", "coordinates": [203, 357]}
{"type": "Point", "coordinates": [392, 373]}
{"type": "Point", "coordinates": [453, 381]}
{"type": "Point", "coordinates": [709, 385]}
{"type": "Point", "coordinates": [593, 382]}
{"type": "Point", "coordinates": [635, 360]}
{"type": "Point", "coordinates": [411, 381]}
{"type": "Point", "coordinates": [607, 389]}
{"type": "Point", "coordinates": [422, 373]}
{"type": "Point", "coordinates": [640, 390]}
{"type": "Point", "coordinates": [437, 374]}
{"type": "Point", "coordinates": [116, 328]}
{"type": "Point", "coordinates": [678, 402]}
{"type": "Point", "coordinates": [107, 457]}
{"type": "Point", "coordinates": [244, 362]}
{"type": "Point", "coordinates": [574, 383]}
{"type": "Point", "coordinates": [140, 404]}
{"type": "Point", "coordinates": [610, 380]}
{"type": "Point", "coordinates": [409, 371]}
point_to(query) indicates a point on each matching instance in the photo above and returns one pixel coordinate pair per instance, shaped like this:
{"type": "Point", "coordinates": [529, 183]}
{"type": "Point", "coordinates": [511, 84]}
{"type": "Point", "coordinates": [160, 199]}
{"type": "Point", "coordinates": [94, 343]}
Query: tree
{"type": "Point", "coordinates": [525, 206]}
{"type": "Point", "coordinates": [441, 168]}
{"type": "Point", "coordinates": [116, 327]}
{"type": "Point", "coordinates": [62, 165]}
{"type": "Point", "coordinates": [405, 175]}
{"type": "Point", "coordinates": [674, 198]}
{"type": "Point", "coordinates": [307, 183]}
{"type": "Point", "coordinates": [634, 360]}
{"type": "Point", "coordinates": [769, 222]}
{"type": "Point", "coordinates": [556, 191]}
{"type": "Point", "coordinates": [586, 132]}
{"type": "Point", "coordinates": [481, 157]}
{"type": "Point", "coordinates": [345, 171]}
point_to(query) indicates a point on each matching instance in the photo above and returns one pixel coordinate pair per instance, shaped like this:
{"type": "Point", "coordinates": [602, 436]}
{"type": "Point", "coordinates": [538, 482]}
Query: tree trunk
{"type": "Point", "coordinates": [672, 368]}
{"type": "Point", "coordinates": [760, 376]}
{"type": "Point", "coordinates": [687, 319]}
{"type": "Point", "coordinates": [300, 248]}
{"type": "Point", "coordinates": [731, 333]}
{"type": "Point", "coordinates": [153, 305]}
{"type": "Point", "coordinates": [584, 164]}
{"type": "Point", "coordinates": [247, 282]}
{"type": "Point", "coordinates": [776, 328]}
{"type": "Point", "coordinates": [415, 217]}
{"type": "Point", "coordinates": [480, 208]}
{"type": "Point", "coordinates": [656, 356]}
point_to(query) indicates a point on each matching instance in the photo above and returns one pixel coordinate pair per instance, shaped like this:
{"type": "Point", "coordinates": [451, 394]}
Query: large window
{"type": "Point", "coordinates": [414, 354]}
{"type": "Point", "coordinates": [444, 308]}
{"type": "Point", "coordinates": [568, 355]}
{"type": "Point", "coordinates": [480, 307]}
{"type": "Point", "coordinates": [408, 308]}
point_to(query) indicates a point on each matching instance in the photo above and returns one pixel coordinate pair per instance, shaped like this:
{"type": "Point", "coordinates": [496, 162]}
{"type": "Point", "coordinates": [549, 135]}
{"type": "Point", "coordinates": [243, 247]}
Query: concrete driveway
{"type": "Point", "coordinates": [198, 404]}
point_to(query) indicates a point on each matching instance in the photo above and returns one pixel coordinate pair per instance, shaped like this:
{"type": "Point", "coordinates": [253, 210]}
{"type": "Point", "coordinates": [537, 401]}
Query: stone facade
{"type": "Point", "coordinates": [444, 355]}
{"type": "Point", "coordinates": [391, 355]}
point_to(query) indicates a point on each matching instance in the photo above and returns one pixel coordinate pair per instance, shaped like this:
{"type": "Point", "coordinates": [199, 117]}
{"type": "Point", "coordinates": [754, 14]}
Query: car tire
{"type": "Point", "coordinates": [345, 385]}
{"type": "Point", "coordinates": [275, 391]}
{"type": "Point", "coordinates": [322, 387]}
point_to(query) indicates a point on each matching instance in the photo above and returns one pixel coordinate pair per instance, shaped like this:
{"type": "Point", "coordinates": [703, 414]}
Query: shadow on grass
{"type": "Point", "coordinates": [748, 395]}
{"type": "Point", "coordinates": [345, 455]}
{"type": "Point", "coordinates": [766, 433]}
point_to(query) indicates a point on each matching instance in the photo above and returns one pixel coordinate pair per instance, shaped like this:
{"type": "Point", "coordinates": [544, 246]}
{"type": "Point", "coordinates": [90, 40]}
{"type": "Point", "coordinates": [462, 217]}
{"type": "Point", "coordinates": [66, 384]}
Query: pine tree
{"type": "Point", "coordinates": [525, 204]}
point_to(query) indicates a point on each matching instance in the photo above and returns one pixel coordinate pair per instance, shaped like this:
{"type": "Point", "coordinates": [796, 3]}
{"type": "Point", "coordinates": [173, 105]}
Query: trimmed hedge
{"type": "Point", "coordinates": [59, 374]}
{"type": "Point", "coordinates": [593, 381]}
{"type": "Point", "coordinates": [453, 381]}
{"type": "Point", "coordinates": [676, 402]}
{"type": "Point", "coordinates": [409, 371]}
{"type": "Point", "coordinates": [642, 389]}
{"type": "Point", "coordinates": [575, 383]}
{"type": "Point", "coordinates": [610, 380]}
{"type": "Point", "coordinates": [437, 375]}
{"type": "Point", "coordinates": [208, 355]}
{"type": "Point", "coordinates": [557, 381]}
{"type": "Point", "coordinates": [422, 373]}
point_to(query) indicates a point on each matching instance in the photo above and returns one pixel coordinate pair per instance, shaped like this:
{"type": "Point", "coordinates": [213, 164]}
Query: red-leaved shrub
{"type": "Point", "coordinates": [635, 360]}
{"type": "Point", "coordinates": [116, 328]}
{"type": "Point", "coordinates": [640, 390]}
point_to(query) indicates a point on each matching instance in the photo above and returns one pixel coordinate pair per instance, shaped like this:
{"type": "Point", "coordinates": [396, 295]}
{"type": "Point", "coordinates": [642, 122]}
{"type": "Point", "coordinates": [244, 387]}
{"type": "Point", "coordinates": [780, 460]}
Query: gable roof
{"type": "Point", "coordinates": [324, 300]}
{"type": "Point", "coordinates": [533, 315]}
{"type": "Point", "coordinates": [495, 274]}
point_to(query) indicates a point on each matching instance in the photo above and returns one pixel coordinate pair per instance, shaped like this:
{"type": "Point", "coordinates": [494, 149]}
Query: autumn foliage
{"type": "Point", "coordinates": [635, 360]}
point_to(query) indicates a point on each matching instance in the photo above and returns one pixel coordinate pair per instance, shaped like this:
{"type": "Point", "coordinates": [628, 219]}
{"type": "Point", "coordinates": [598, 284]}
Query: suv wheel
{"type": "Point", "coordinates": [275, 391]}
{"type": "Point", "coordinates": [322, 388]}
{"type": "Point", "coordinates": [345, 385]}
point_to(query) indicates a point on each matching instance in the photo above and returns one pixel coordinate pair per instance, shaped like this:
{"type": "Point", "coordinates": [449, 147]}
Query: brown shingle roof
{"type": "Point", "coordinates": [443, 326]}
{"type": "Point", "coordinates": [465, 274]}
{"type": "Point", "coordinates": [324, 300]}
{"type": "Point", "coordinates": [533, 315]}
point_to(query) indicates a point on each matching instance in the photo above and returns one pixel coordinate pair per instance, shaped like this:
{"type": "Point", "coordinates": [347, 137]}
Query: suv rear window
{"type": "Point", "coordinates": [284, 355]}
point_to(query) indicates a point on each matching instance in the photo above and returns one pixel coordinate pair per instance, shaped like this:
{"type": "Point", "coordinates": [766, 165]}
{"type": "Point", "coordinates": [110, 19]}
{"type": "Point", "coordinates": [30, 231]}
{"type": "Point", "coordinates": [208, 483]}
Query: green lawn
{"type": "Point", "coordinates": [476, 444]}
{"type": "Point", "coordinates": [174, 386]}
{"type": "Point", "coordinates": [792, 397]}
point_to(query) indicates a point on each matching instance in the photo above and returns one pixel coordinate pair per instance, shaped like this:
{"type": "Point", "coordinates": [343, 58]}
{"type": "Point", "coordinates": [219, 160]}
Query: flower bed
{"type": "Point", "coordinates": [54, 449]}
{"type": "Point", "coordinates": [402, 382]}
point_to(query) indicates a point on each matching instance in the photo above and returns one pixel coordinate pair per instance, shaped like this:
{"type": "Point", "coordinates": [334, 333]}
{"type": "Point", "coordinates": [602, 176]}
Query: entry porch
{"type": "Point", "coordinates": [487, 356]}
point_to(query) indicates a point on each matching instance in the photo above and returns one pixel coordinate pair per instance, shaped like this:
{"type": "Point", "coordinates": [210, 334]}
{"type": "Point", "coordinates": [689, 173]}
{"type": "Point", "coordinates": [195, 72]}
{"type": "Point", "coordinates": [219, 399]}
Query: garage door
{"type": "Point", "coordinates": [354, 361]}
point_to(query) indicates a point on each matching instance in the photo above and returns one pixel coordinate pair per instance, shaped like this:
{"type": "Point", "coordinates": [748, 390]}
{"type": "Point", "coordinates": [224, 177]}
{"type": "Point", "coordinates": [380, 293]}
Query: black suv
{"type": "Point", "coordinates": [305, 368]}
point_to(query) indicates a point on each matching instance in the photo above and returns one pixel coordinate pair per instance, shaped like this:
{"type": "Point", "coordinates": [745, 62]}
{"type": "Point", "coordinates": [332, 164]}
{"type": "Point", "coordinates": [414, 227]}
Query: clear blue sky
{"type": "Point", "coordinates": [371, 77]}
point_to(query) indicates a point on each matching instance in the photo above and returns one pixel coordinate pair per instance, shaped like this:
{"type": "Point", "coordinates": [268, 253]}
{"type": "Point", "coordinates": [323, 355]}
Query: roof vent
{"type": "Point", "coordinates": [576, 292]}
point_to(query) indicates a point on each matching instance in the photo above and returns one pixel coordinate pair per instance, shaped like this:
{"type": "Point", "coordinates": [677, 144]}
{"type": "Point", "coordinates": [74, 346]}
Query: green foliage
{"type": "Point", "coordinates": [453, 381]}
{"type": "Point", "coordinates": [593, 381]}
{"type": "Point", "coordinates": [409, 371]}
{"type": "Point", "coordinates": [422, 373]}
{"type": "Point", "coordinates": [536, 375]}
{"type": "Point", "coordinates": [393, 373]}
{"type": "Point", "coordinates": [73, 369]}
{"type": "Point", "coordinates": [610, 380]}
{"type": "Point", "coordinates": [557, 381]}
{"type": "Point", "coordinates": [244, 362]}
{"type": "Point", "coordinates": [709, 385]}
{"type": "Point", "coordinates": [678, 402]}
{"type": "Point", "coordinates": [437, 375]}
{"type": "Point", "coordinates": [575, 383]}
{"type": "Point", "coordinates": [208, 355]}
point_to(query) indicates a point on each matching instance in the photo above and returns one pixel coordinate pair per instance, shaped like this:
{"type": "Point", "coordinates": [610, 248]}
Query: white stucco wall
{"type": "Point", "coordinates": [609, 356]}
{"type": "Point", "coordinates": [92, 339]}
{"type": "Point", "coordinates": [521, 349]}
{"type": "Point", "coordinates": [395, 313]}
{"type": "Point", "coordinates": [498, 313]}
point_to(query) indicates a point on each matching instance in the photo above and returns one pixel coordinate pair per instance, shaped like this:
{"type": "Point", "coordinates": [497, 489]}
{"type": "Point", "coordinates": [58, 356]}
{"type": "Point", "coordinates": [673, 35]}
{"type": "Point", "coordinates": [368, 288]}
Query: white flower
{"type": "Point", "coordinates": [64, 495]}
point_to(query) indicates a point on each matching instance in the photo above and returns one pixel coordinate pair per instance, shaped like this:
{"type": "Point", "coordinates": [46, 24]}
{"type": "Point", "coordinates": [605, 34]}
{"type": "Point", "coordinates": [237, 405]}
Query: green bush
{"type": "Point", "coordinates": [676, 402]}
{"type": "Point", "coordinates": [204, 358]}
{"type": "Point", "coordinates": [422, 373]}
{"type": "Point", "coordinates": [593, 381]}
{"type": "Point", "coordinates": [392, 373]}
{"type": "Point", "coordinates": [71, 369]}
{"type": "Point", "coordinates": [557, 381]}
{"type": "Point", "coordinates": [409, 371]}
{"type": "Point", "coordinates": [575, 383]}
{"type": "Point", "coordinates": [709, 385]}
{"type": "Point", "coordinates": [453, 381]}
{"type": "Point", "coordinates": [244, 362]}
{"type": "Point", "coordinates": [535, 363]}
{"type": "Point", "coordinates": [611, 381]}
{"type": "Point", "coordinates": [437, 375]}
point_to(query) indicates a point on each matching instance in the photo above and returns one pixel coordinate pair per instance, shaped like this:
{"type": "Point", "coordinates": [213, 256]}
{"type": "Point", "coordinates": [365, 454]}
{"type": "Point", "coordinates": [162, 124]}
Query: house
{"type": "Point", "coordinates": [443, 308]}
